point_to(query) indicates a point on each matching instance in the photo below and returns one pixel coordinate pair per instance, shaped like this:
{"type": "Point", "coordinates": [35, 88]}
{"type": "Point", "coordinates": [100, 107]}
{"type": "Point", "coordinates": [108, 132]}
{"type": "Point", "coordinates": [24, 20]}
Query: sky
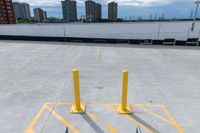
{"type": "Point", "coordinates": [128, 9]}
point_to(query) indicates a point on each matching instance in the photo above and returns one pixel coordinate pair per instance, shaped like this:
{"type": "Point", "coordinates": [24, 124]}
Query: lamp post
{"type": "Point", "coordinates": [195, 17]}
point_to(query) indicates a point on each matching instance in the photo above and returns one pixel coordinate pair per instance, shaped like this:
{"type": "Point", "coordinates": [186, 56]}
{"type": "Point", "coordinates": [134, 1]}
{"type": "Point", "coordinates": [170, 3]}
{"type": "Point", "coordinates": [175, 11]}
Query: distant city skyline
{"type": "Point", "coordinates": [127, 9]}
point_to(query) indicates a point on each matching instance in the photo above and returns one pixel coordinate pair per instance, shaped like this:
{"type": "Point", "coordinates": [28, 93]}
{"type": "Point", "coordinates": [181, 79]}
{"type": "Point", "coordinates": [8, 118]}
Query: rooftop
{"type": "Point", "coordinates": [37, 87]}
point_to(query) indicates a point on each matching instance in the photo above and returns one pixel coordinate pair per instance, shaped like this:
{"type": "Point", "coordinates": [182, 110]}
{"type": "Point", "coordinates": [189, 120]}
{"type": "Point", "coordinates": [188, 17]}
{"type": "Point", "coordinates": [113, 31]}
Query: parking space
{"type": "Point", "coordinates": [101, 117]}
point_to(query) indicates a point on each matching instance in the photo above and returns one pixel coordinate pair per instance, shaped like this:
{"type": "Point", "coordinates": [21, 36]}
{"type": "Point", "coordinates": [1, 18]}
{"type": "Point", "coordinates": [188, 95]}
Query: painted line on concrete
{"type": "Point", "coordinates": [62, 120]}
{"type": "Point", "coordinates": [37, 49]}
{"type": "Point", "coordinates": [133, 120]}
{"type": "Point", "coordinates": [147, 105]}
{"type": "Point", "coordinates": [98, 51]}
{"type": "Point", "coordinates": [69, 49]}
{"type": "Point", "coordinates": [61, 103]}
{"type": "Point", "coordinates": [92, 116]}
{"type": "Point", "coordinates": [139, 123]}
{"type": "Point", "coordinates": [165, 109]}
{"type": "Point", "coordinates": [35, 119]}
{"type": "Point", "coordinates": [127, 51]}
{"type": "Point", "coordinates": [111, 129]}
{"type": "Point", "coordinates": [95, 118]}
{"type": "Point", "coordinates": [156, 115]}
{"type": "Point", "coordinates": [132, 105]}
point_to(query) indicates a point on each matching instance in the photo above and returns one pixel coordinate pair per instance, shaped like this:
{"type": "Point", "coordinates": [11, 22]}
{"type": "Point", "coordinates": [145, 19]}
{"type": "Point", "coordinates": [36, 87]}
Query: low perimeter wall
{"type": "Point", "coordinates": [102, 32]}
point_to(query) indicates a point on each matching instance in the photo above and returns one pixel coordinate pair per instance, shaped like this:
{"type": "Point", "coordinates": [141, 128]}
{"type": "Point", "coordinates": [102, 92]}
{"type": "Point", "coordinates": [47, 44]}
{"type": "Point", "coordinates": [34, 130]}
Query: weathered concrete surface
{"type": "Point", "coordinates": [33, 73]}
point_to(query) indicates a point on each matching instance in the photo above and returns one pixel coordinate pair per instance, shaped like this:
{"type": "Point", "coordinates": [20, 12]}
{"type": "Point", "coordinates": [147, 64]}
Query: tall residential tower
{"type": "Point", "coordinates": [39, 15]}
{"type": "Point", "coordinates": [69, 9]}
{"type": "Point", "coordinates": [21, 10]}
{"type": "Point", "coordinates": [93, 11]}
{"type": "Point", "coordinates": [98, 14]}
{"type": "Point", "coordinates": [112, 11]}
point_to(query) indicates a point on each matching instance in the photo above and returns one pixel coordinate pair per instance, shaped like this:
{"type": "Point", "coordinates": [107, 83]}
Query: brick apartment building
{"type": "Point", "coordinates": [6, 12]}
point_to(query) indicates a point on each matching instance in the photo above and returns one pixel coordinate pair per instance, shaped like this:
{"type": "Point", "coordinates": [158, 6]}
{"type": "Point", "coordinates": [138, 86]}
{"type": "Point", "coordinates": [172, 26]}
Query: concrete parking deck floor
{"type": "Point", "coordinates": [37, 87]}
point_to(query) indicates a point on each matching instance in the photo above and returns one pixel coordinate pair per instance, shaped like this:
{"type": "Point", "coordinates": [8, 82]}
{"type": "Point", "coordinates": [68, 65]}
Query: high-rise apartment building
{"type": "Point", "coordinates": [112, 11]}
{"type": "Point", "coordinates": [21, 10]}
{"type": "Point", "coordinates": [93, 11]}
{"type": "Point", "coordinates": [69, 9]}
{"type": "Point", "coordinates": [90, 10]}
{"type": "Point", "coordinates": [45, 15]}
{"type": "Point", "coordinates": [7, 15]}
{"type": "Point", "coordinates": [39, 15]}
{"type": "Point", "coordinates": [98, 12]}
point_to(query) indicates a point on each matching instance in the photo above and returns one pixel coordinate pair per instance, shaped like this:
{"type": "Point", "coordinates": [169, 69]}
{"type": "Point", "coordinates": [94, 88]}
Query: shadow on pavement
{"type": "Point", "coordinates": [143, 123]}
{"type": "Point", "coordinates": [96, 128]}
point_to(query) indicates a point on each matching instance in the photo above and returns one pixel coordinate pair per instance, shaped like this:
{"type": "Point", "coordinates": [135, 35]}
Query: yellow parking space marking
{"type": "Point", "coordinates": [139, 123]}
{"type": "Point", "coordinates": [180, 130]}
{"type": "Point", "coordinates": [29, 131]}
{"type": "Point", "coordinates": [111, 129]}
{"type": "Point", "coordinates": [128, 52]}
{"type": "Point", "coordinates": [156, 115]}
{"type": "Point", "coordinates": [69, 49]}
{"type": "Point", "coordinates": [36, 50]}
{"type": "Point", "coordinates": [98, 51]}
{"type": "Point", "coordinates": [39, 48]}
{"type": "Point", "coordinates": [35, 119]}
{"type": "Point", "coordinates": [62, 120]}
{"type": "Point", "coordinates": [93, 116]}
{"type": "Point", "coordinates": [60, 103]}
{"type": "Point", "coordinates": [132, 105]}
{"type": "Point", "coordinates": [147, 105]}
{"type": "Point", "coordinates": [132, 118]}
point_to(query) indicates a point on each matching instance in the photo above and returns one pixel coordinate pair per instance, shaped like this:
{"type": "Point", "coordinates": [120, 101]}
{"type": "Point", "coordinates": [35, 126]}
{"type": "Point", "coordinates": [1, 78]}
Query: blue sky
{"type": "Point", "coordinates": [128, 9]}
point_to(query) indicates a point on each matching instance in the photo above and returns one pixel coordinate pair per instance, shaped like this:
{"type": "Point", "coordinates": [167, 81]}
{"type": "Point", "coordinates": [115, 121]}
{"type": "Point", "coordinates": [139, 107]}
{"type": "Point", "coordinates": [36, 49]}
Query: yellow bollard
{"type": "Point", "coordinates": [77, 107]}
{"type": "Point", "coordinates": [123, 108]}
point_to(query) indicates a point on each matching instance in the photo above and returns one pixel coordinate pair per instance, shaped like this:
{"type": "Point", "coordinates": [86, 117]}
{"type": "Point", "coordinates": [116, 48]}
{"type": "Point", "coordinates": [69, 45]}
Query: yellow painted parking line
{"type": "Point", "coordinates": [111, 129]}
{"type": "Point", "coordinates": [69, 49]}
{"type": "Point", "coordinates": [133, 120]}
{"type": "Point", "coordinates": [112, 107]}
{"type": "Point", "coordinates": [62, 120]}
{"type": "Point", "coordinates": [139, 123]}
{"type": "Point", "coordinates": [29, 131]}
{"type": "Point", "coordinates": [93, 116]}
{"type": "Point", "coordinates": [38, 49]}
{"type": "Point", "coordinates": [60, 103]}
{"type": "Point", "coordinates": [128, 52]}
{"type": "Point", "coordinates": [148, 105]}
{"type": "Point", "coordinates": [180, 130]}
{"type": "Point", "coordinates": [98, 51]}
{"type": "Point", "coordinates": [101, 103]}
{"type": "Point", "coordinates": [35, 119]}
{"type": "Point", "coordinates": [156, 115]}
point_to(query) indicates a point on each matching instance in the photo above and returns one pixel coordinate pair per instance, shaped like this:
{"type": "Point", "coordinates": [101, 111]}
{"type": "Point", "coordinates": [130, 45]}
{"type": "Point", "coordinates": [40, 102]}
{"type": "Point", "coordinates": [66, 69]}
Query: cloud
{"type": "Point", "coordinates": [127, 8]}
{"type": "Point", "coordinates": [142, 2]}
{"type": "Point", "coordinates": [103, 2]}
{"type": "Point", "coordinates": [40, 2]}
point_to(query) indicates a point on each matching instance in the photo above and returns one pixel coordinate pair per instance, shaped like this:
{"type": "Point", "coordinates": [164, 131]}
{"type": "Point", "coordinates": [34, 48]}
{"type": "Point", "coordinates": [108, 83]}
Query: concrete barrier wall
{"type": "Point", "coordinates": [142, 30]}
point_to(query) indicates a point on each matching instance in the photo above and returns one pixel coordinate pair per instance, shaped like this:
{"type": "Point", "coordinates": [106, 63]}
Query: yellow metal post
{"type": "Point", "coordinates": [123, 108]}
{"type": "Point", "coordinates": [77, 107]}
